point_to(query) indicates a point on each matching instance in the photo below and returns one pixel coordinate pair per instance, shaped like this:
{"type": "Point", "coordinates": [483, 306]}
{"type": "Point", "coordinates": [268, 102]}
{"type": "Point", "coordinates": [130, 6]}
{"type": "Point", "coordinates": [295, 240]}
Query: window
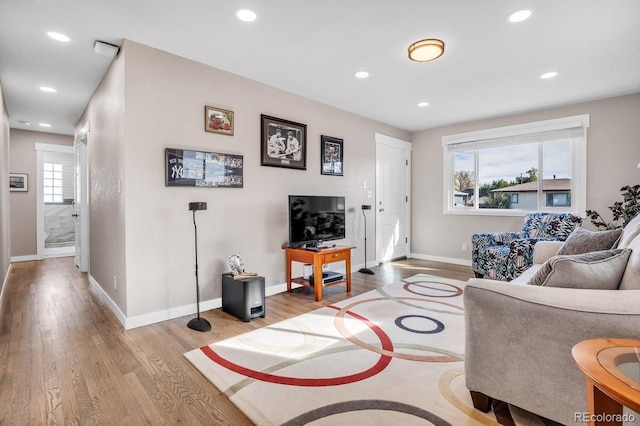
{"type": "Point", "coordinates": [52, 186]}
{"type": "Point", "coordinates": [559, 200]}
{"type": "Point", "coordinates": [513, 170]}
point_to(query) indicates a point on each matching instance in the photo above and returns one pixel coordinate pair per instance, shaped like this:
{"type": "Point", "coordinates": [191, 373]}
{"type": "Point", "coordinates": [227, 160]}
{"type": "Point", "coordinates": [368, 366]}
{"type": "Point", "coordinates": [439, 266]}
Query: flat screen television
{"type": "Point", "coordinates": [314, 219]}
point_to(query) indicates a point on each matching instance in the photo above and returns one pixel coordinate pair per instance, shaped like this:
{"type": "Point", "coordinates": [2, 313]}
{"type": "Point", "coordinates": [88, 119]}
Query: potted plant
{"type": "Point", "coordinates": [624, 210]}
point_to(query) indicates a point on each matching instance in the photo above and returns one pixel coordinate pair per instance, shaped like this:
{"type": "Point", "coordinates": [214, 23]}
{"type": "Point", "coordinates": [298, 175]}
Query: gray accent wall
{"type": "Point", "coordinates": [23, 159]}
{"type": "Point", "coordinates": [613, 153]}
{"type": "Point", "coordinates": [143, 235]}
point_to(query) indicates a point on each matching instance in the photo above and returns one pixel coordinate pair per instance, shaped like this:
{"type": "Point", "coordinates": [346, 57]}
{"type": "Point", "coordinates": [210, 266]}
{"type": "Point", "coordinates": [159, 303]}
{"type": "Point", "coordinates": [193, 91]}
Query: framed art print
{"type": "Point", "coordinates": [218, 120]}
{"type": "Point", "coordinates": [283, 143]}
{"type": "Point", "coordinates": [184, 167]}
{"type": "Point", "coordinates": [18, 182]}
{"type": "Point", "coordinates": [331, 156]}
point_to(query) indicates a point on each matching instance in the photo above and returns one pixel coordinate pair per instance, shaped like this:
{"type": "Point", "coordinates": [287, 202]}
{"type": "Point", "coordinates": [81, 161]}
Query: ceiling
{"type": "Point", "coordinates": [313, 48]}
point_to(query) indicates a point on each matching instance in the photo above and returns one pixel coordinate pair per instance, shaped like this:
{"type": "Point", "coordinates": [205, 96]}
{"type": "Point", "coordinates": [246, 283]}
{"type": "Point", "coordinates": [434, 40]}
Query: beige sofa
{"type": "Point", "coordinates": [519, 337]}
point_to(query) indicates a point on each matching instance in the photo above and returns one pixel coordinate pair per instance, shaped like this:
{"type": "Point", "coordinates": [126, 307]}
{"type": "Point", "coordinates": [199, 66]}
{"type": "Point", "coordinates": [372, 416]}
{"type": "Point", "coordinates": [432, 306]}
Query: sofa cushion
{"type": "Point", "coordinates": [631, 277]}
{"type": "Point", "coordinates": [598, 270]}
{"type": "Point", "coordinates": [584, 241]}
{"type": "Point", "coordinates": [630, 232]}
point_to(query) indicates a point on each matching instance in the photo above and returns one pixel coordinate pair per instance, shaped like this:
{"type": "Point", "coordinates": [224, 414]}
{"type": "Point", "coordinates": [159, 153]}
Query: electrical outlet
{"type": "Point", "coordinates": [464, 247]}
{"type": "Point", "coordinates": [115, 282]}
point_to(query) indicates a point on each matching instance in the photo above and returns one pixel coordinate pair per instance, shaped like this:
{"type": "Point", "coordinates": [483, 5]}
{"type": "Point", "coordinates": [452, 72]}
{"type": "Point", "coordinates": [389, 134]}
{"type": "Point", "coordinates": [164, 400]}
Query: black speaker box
{"type": "Point", "coordinates": [243, 298]}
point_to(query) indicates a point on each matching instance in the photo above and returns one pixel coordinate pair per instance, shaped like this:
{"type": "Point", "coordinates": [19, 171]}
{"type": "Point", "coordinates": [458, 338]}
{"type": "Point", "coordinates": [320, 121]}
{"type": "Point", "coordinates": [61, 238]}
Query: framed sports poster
{"type": "Point", "coordinates": [283, 144]}
{"type": "Point", "coordinates": [331, 157]}
{"type": "Point", "coordinates": [185, 167]}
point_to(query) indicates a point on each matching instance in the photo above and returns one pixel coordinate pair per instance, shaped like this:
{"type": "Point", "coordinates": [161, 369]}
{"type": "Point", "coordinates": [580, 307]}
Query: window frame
{"type": "Point", "coordinates": [525, 130]}
{"type": "Point", "coordinates": [55, 198]}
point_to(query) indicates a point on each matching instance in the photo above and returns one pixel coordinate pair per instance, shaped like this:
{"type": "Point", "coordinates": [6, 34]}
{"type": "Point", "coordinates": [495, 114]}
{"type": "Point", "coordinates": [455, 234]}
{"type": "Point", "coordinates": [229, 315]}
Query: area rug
{"type": "Point", "coordinates": [389, 356]}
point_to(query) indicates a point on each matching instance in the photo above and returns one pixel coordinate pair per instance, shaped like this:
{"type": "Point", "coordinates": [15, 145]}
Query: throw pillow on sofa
{"type": "Point", "coordinates": [584, 241]}
{"type": "Point", "coordinates": [598, 270]}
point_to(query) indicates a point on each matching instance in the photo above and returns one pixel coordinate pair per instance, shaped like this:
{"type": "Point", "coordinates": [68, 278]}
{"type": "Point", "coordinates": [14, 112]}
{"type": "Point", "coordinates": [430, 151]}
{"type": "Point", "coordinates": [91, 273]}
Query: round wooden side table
{"type": "Point", "coordinates": [611, 368]}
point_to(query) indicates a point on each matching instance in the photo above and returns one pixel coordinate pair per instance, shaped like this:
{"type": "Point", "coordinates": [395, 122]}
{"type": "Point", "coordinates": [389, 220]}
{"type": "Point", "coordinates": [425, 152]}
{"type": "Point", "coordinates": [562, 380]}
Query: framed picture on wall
{"type": "Point", "coordinates": [331, 156]}
{"type": "Point", "coordinates": [18, 182]}
{"type": "Point", "coordinates": [283, 144]}
{"type": "Point", "coordinates": [184, 167]}
{"type": "Point", "coordinates": [218, 120]}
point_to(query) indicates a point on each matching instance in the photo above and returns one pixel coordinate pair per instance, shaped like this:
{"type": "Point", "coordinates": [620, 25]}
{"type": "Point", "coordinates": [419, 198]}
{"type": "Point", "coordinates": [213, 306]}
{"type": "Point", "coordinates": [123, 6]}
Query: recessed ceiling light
{"type": "Point", "coordinates": [246, 15]}
{"type": "Point", "coordinates": [44, 124]}
{"type": "Point", "coordinates": [423, 104]}
{"type": "Point", "coordinates": [520, 15]}
{"type": "Point", "coordinates": [58, 36]}
{"type": "Point", "coordinates": [48, 89]}
{"type": "Point", "coordinates": [549, 74]}
{"type": "Point", "coordinates": [362, 74]}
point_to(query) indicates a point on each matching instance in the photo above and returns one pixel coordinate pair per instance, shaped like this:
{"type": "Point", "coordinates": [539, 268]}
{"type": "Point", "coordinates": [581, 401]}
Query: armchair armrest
{"type": "Point", "coordinates": [484, 239]}
{"type": "Point", "coordinates": [519, 339]}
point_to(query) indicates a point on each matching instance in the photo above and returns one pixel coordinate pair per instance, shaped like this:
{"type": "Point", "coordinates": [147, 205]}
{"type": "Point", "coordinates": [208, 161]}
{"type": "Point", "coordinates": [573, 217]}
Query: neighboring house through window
{"type": "Point", "coordinates": [512, 170]}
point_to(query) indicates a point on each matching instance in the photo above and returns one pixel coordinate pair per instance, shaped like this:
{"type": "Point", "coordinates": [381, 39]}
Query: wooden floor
{"type": "Point", "coordinates": [65, 359]}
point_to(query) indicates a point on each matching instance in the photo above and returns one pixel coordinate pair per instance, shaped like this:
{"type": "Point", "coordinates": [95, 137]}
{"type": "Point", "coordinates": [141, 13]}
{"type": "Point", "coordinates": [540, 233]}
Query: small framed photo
{"type": "Point", "coordinates": [218, 120]}
{"type": "Point", "coordinates": [331, 157]}
{"type": "Point", "coordinates": [18, 182]}
{"type": "Point", "coordinates": [284, 143]}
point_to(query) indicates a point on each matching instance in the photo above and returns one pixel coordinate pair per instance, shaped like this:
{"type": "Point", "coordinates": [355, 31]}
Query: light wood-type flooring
{"type": "Point", "coordinates": [66, 360]}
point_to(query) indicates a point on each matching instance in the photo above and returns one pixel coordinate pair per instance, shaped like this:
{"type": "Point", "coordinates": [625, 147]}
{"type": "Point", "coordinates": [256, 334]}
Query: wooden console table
{"type": "Point", "coordinates": [317, 259]}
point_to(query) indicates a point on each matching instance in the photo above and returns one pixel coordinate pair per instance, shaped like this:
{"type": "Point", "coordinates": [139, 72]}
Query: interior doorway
{"type": "Point", "coordinates": [393, 204]}
{"type": "Point", "coordinates": [55, 201]}
{"type": "Point", "coordinates": [81, 153]}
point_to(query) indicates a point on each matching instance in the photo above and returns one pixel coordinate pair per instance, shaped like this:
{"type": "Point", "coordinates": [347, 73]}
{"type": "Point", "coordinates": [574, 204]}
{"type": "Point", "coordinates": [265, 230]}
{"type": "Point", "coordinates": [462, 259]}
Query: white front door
{"type": "Point", "coordinates": [393, 185]}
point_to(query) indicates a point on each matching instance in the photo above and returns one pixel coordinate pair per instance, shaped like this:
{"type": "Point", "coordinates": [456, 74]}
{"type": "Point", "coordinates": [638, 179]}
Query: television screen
{"type": "Point", "coordinates": [314, 219]}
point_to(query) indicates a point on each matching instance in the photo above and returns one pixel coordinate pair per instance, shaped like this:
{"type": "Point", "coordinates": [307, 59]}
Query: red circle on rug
{"type": "Point", "coordinates": [380, 365]}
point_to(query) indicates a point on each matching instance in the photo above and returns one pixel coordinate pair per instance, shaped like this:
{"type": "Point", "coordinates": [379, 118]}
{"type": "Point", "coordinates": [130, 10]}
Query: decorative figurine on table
{"type": "Point", "coordinates": [236, 264]}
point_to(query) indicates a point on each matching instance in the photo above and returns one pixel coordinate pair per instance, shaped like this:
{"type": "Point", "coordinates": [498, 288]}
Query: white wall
{"type": "Point", "coordinates": [612, 156]}
{"type": "Point", "coordinates": [161, 98]}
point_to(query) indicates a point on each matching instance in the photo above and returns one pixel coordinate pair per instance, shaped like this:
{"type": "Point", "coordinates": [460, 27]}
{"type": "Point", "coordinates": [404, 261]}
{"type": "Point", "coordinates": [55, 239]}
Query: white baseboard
{"type": "Point", "coordinates": [4, 283]}
{"type": "Point", "coordinates": [190, 309]}
{"type": "Point", "coordinates": [452, 260]}
{"type": "Point", "coordinates": [27, 258]}
{"type": "Point", "coordinates": [95, 286]}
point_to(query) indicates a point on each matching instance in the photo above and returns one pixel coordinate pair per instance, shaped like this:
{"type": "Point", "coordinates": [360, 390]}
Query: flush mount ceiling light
{"type": "Point", "coordinates": [47, 89]}
{"type": "Point", "coordinates": [361, 74]}
{"type": "Point", "coordinates": [246, 15]}
{"type": "Point", "coordinates": [58, 36]}
{"type": "Point", "coordinates": [24, 122]}
{"type": "Point", "coordinates": [44, 124]}
{"type": "Point", "coordinates": [426, 50]}
{"type": "Point", "coordinates": [520, 15]}
{"type": "Point", "coordinates": [423, 104]}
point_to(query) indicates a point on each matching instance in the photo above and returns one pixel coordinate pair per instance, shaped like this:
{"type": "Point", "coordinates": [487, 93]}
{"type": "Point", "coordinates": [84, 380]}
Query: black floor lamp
{"type": "Point", "coordinates": [199, 324]}
{"type": "Point", "coordinates": [365, 270]}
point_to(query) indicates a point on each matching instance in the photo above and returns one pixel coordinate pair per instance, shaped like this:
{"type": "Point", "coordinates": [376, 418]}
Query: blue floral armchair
{"type": "Point", "coordinates": [505, 255]}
